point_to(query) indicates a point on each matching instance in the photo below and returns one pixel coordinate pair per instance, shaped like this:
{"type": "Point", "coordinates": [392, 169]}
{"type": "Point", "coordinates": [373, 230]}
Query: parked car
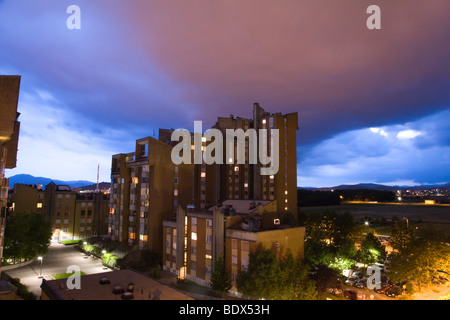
{"type": "Point", "coordinates": [358, 274]}
{"type": "Point", "coordinates": [361, 283]}
{"type": "Point", "coordinates": [354, 295]}
{"type": "Point", "coordinates": [394, 291]}
{"type": "Point", "coordinates": [351, 281]}
{"type": "Point", "coordinates": [335, 291]}
{"type": "Point", "coordinates": [351, 294]}
{"type": "Point", "coordinates": [441, 278]}
{"type": "Point", "coordinates": [384, 286]}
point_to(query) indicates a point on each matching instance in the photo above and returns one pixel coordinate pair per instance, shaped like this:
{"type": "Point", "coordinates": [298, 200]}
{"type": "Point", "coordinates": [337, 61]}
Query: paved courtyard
{"type": "Point", "coordinates": [57, 260]}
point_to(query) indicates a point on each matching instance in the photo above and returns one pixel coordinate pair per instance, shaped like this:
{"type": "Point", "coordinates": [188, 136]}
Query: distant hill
{"type": "Point", "coordinates": [380, 187]}
{"type": "Point", "coordinates": [101, 186]}
{"type": "Point", "coordinates": [29, 179]}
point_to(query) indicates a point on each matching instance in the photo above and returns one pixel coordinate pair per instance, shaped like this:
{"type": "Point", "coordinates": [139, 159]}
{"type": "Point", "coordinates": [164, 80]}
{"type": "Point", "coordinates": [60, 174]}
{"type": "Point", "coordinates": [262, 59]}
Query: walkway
{"type": "Point", "coordinates": [57, 260]}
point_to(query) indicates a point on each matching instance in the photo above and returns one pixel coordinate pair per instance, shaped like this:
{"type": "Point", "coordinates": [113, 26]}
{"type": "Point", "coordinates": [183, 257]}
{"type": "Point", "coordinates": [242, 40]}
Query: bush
{"type": "Point", "coordinates": [22, 290]}
{"type": "Point", "coordinates": [110, 259]}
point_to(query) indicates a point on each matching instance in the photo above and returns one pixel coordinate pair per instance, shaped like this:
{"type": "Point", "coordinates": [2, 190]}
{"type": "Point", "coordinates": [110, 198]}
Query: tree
{"type": "Point", "coordinates": [27, 235]}
{"type": "Point", "coordinates": [401, 237]}
{"type": "Point", "coordinates": [419, 261]}
{"type": "Point", "coordinates": [325, 277]}
{"type": "Point", "coordinates": [220, 280]}
{"type": "Point", "coordinates": [274, 279]}
{"type": "Point", "coordinates": [371, 250]}
{"type": "Point", "coordinates": [329, 239]}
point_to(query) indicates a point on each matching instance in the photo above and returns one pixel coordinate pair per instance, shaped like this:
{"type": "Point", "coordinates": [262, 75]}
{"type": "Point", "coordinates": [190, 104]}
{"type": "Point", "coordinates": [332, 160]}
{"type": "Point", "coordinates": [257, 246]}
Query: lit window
{"type": "Point", "coordinates": [272, 176]}
{"type": "Point", "coordinates": [285, 200]}
{"type": "Point", "coordinates": [203, 139]}
{"type": "Point", "coordinates": [208, 256]}
{"type": "Point", "coordinates": [175, 192]}
{"type": "Point", "coordinates": [39, 205]}
{"type": "Point", "coordinates": [264, 121]}
{"type": "Point", "coordinates": [236, 168]}
{"type": "Point", "coordinates": [194, 235]}
{"type": "Point", "coordinates": [285, 192]}
{"type": "Point", "coordinates": [245, 185]}
{"type": "Point", "coordinates": [203, 174]}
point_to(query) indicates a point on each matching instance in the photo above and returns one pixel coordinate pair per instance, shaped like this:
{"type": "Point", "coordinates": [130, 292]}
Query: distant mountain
{"type": "Point", "coordinates": [29, 179]}
{"type": "Point", "coordinates": [101, 186]}
{"type": "Point", "coordinates": [380, 187]}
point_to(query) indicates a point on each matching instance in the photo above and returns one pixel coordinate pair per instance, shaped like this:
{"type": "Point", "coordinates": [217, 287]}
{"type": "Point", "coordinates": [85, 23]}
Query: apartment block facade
{"type": "Point", "coordinates": [9, 139]}
{"type": "Point", "coordinates": [196, 238]}
{"type": "Point", "coordinates": [192, 213]}
{"type": "Point", "coordinates": [142, 194]}
{"type": "Point", "coordinates": [73, 215]}
{"type": "Point", "coordinates": [212, 183]}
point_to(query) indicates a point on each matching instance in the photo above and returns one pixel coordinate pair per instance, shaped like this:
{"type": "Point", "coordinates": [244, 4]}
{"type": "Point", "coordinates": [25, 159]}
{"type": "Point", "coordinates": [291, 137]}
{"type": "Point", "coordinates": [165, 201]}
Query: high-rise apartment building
{"type": "Point", "coordinates": [142, 194]}
{"type": "Point", "coordinates": [281, 186]}
{"type": "Point", "coordinates": [73, 215]}
{"type": "Point", "coordinates": [9, 138]}
{"type": "Point", "coordinates": [193, 213]}
{"type": "Point", "coordinates": [213, 183]}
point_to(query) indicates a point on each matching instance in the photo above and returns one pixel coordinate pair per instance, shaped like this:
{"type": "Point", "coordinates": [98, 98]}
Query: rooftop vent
{"type": "Point", "coordinates": [127, 296]}
{"type": "Point", "coordinates": [118, 290]}
{"type": "Point", "coordinates": [130, 287]}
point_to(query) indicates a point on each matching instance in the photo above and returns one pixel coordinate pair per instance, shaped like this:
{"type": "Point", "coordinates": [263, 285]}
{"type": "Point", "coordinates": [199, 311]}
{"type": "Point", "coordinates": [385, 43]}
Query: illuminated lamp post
{"type": "Point", "coordinates": [40, 273]}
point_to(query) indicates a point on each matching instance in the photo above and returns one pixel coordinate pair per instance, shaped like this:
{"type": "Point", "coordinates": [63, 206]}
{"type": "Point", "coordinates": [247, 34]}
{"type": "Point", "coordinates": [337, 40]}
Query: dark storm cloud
{"type": "Point", "coordinates": [135, 66]}
{"type": "Point", "coordinates": [314, 57]}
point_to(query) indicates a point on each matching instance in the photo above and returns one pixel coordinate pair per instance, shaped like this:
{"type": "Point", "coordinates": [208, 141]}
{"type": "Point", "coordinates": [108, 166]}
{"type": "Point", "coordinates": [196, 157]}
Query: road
{"type": "Point", "coordinates": [57, 260]}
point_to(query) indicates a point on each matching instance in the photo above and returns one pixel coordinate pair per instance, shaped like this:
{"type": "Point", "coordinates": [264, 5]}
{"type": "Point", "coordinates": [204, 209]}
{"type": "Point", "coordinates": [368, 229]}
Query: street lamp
{"type": "Point", "coordinates": [40, 273]}
{"type": "Point", "coordinates": [407, 222]}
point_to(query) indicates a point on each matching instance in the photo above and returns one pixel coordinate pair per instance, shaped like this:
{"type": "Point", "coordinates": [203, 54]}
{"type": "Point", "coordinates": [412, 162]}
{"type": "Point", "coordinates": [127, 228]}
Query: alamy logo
{"type": "Point", "coordinates": [213, 152]}
{"type": "Point", "coordinates": [73, 281]}
{"type": "Point", "coordinates": [74, 21]}
{"type": "Point", "coordinates": [374, 280]}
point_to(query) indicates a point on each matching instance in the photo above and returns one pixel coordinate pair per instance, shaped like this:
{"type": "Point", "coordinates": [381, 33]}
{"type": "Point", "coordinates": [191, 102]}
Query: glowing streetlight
{"type": "Point", "coordinates": [40, 273]}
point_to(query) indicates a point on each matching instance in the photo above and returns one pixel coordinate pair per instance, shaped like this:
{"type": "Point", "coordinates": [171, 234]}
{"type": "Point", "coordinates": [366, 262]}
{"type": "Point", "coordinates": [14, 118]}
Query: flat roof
{"type": "Point", "coordinates": [145, 288]}
{"type": "Point", "coordinates": [244, 206]}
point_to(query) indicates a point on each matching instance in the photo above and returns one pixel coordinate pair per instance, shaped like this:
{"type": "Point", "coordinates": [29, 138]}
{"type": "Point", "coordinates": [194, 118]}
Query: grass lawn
{"type": "Point", "coordinates": [67, 275]}
{"type": "Point", "coordinates": [68, 242]}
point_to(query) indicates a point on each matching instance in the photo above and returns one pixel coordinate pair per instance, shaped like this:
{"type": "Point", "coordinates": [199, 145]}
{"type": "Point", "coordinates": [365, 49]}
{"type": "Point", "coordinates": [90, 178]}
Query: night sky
{"type": "Point", "coordinates": [373, 105]}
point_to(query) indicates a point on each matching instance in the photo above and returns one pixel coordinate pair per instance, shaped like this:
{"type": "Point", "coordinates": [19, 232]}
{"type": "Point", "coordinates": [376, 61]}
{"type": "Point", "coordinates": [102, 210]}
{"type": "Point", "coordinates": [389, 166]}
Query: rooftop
{"type": "Point", "coordinates": [112, 286]}
{"type": "Point", "coordinates": [241, 206]}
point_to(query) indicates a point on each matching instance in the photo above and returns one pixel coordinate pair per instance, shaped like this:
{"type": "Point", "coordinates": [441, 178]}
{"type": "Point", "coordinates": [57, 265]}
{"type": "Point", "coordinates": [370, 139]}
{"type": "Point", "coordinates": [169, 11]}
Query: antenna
{"type": "Point", "coordinates": [98, 175]}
